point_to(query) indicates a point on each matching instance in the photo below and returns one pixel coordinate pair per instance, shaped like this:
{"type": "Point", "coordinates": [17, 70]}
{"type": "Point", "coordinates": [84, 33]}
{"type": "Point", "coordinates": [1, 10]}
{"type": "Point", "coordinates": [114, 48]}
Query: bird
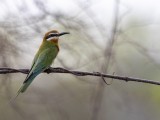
{"type": "Point", "coordinates": [44, 57]}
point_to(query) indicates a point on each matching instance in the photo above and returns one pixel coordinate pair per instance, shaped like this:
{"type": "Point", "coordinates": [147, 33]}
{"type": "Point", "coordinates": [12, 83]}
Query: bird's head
{"type": "Point", "coordinates": [53, 36]}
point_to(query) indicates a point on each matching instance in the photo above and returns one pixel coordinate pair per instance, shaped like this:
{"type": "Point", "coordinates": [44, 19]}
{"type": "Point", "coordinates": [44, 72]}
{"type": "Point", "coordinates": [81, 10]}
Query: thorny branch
{"type": "Point", "coordinates": [80, 73]}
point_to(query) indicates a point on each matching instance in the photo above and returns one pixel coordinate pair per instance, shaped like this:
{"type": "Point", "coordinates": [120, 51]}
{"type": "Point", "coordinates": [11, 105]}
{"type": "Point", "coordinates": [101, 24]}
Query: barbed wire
{"type": "Point", "coordinates": [81, 73]}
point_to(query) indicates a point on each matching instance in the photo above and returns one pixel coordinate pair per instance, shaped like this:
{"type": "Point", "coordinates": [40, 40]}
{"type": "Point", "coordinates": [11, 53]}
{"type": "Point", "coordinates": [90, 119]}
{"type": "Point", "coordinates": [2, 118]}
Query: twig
{"type": "Point", "coordinates": [80, 73]}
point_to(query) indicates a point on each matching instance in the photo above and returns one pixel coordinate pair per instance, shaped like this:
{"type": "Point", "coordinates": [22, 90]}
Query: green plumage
{"type": "Point", "coordinates": [42, 60]}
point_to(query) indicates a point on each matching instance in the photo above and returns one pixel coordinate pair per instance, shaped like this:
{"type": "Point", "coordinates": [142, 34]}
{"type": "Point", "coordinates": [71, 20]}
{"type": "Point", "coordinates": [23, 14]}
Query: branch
{"type": "Point", "coordinates": [79, 73]}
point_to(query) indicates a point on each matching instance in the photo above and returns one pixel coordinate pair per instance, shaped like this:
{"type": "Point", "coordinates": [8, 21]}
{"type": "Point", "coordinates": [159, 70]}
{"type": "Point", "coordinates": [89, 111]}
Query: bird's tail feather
{"type": "Point", "coordinates": [14, 98]}
{"type": "Point", "coordinates": [22, 89]}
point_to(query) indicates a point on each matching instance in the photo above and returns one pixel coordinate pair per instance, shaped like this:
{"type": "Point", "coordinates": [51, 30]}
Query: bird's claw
{"type": "Point", "coordinates": [48, 71]}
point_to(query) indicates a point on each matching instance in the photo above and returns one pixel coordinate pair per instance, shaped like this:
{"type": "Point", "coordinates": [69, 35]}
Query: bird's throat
{"type": "Point", "coordinates": [55, 41]}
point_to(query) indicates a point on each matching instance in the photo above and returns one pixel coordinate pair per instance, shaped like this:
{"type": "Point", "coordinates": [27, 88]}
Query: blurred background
{"type": "Point", "coordinates": [108, 36]}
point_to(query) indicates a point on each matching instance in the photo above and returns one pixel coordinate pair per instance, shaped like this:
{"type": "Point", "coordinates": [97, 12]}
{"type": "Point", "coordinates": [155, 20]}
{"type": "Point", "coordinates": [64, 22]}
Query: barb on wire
{"type": "Point", "coordinates": [80, 73]}
{"type": "Point", "coordinates": [104, 78]}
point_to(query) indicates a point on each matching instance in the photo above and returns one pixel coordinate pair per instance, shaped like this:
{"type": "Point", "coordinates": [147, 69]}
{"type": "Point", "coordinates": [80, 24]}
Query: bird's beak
{"type": "Point", "coordinates": [63, 33]}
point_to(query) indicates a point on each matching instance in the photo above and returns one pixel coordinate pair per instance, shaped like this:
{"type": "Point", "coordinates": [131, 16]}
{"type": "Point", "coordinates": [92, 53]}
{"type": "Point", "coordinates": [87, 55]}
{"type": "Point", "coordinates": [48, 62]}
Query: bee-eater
{"type": "Point", "coordinates": [43, 58]}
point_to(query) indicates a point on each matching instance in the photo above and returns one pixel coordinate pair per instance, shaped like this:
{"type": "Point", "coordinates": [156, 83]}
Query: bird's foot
{"type": "Point", "coordinates": [48, 70]}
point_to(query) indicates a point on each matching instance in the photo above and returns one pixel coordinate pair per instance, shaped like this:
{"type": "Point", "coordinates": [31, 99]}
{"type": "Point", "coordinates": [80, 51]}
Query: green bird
{"type": "Point", "coordinates": [43, 58]}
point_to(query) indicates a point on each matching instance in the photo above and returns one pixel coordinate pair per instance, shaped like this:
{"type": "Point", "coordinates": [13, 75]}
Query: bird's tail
{"type": "Point", "coordinates": [12, 100]}
{"type": "Point", "coordinates": [21, 90]}
{"type": "Point", "coordinates": [24, 86]}
{"type": "Point", "coordinates": [27, 82]}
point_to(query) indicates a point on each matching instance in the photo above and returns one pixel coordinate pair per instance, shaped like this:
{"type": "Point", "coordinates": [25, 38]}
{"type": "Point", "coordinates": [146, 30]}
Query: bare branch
{"type": "Point", "coordinates": [80, 73]}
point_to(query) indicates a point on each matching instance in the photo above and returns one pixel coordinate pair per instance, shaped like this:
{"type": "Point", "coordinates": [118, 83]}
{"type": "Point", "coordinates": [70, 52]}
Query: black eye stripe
{"type": "Point", "coordinates": [52, 35]}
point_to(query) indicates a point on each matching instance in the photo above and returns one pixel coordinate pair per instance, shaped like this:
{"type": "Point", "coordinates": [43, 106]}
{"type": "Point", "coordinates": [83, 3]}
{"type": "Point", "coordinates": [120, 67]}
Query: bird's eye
{"type": "Point", "coordinates": [51, 35]}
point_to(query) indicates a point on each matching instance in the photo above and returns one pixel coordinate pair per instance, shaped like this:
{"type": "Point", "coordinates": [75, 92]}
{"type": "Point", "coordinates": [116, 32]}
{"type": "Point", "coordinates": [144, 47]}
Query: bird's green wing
{"type": "Point", "coordinates": [33, 63]}
{"type": "Point", "coordinates": [44, 60]}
